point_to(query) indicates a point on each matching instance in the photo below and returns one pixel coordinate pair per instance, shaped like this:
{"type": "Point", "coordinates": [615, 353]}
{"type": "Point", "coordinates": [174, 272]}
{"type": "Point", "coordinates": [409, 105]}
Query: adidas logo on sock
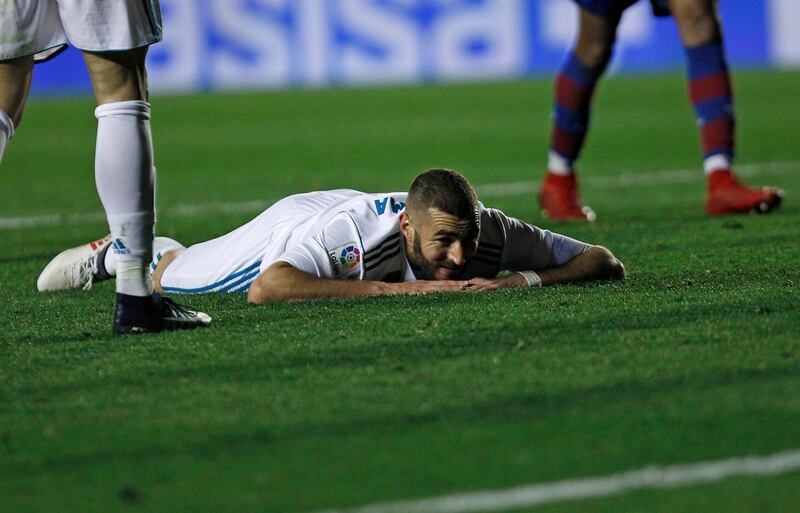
{"type": "Point", "coordinates": [119, 248]}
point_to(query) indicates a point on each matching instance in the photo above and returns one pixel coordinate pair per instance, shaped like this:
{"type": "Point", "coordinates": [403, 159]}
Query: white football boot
{"type": "Point", "coordinates": [72, 269]}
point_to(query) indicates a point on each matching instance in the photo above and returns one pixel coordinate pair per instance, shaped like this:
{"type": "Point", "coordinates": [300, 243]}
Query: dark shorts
{"type": "Point", "coordinates": [614, 8]}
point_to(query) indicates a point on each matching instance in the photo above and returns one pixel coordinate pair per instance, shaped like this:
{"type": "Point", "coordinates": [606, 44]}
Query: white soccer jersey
{"type": "Point", "coordinates": [346, 234]}
{"type": "Point", "coordinates": [44, 27]}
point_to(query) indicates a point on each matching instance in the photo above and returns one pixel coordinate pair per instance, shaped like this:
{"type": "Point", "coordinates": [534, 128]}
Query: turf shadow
{"type": "Point", "coordinates": [531, 406]}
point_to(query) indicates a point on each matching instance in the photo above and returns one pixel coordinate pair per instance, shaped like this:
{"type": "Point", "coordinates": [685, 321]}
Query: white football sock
{"type": "Point", "coordinates": [6, 131]}
{"type": "Point", "coordinates": [125, 180]}
{"type": "Point", "coordinates": [720, 162]}
{"type": "Point", "coordinates": [160, 246]}
{"type": "Point", "coordinates": [558, 165]}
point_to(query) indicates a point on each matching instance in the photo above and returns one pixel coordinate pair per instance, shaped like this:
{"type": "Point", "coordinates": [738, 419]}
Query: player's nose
{"type": "Point", "coordinates": [456, 254]}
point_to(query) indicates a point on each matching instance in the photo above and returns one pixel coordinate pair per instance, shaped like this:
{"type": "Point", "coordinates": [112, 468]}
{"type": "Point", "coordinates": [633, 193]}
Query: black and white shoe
{"type": "Point", "coordinates": [151, 314]}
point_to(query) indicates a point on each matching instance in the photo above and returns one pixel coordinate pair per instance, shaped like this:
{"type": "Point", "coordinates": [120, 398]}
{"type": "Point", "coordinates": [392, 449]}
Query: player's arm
{"type": "Point", "coordinates": [597, 263]}
{"type": "Point", "coordinates": [547, 258]}
{"type": "Point", "coordinates": [281, 282]}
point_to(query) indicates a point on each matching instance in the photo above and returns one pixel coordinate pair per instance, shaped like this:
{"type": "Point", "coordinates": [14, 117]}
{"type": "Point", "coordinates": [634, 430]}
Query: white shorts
{"type": "Point", "coordinates": [42, 28]}
{"type": "Point", "coordinates": [231, 262]}
{"type": "Point", "coordinates": [226, 264]}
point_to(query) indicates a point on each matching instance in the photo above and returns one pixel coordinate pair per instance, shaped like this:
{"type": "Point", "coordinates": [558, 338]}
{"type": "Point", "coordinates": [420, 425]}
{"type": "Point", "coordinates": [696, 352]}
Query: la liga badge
{"type": "Point", "coordinates": [345, 258]}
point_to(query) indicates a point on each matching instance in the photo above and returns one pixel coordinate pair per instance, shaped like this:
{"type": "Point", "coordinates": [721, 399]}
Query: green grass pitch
{"type": "Point", "coordinates": [325, 404]}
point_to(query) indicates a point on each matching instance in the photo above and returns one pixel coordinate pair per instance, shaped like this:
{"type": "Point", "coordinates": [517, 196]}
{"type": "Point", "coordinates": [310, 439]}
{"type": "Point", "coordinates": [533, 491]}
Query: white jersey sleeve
{"type": "Point", "coordinates": [335, 252]}
{"type": "Point", "coordinates": [524, 247]}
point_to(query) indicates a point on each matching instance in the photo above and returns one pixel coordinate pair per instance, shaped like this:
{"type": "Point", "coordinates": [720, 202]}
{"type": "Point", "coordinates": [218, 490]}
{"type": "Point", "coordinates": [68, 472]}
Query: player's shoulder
{"type": "Point", "coordinates": [492, 236]}
{"type": "Point", "coordinates": [377, 216]}
{"type": "Point", "coordinates": [386, 205]}
{"type": "Point", "coordinates": [374, 209]}
{"type": "Point", "coordinates": [496, 218]}
{"type": "Point", "coordinates": [372, 222]}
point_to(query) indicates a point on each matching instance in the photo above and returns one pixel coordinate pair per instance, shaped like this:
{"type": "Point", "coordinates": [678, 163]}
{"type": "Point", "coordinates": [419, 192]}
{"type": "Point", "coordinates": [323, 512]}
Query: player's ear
{"type": "Point", "coordinates": [405, 227]}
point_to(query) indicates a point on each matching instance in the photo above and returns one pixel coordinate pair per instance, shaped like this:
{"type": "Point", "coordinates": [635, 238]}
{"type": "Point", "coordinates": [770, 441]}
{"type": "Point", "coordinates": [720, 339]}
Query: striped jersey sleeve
{"type": "Point", "coordinates": [515, 245]}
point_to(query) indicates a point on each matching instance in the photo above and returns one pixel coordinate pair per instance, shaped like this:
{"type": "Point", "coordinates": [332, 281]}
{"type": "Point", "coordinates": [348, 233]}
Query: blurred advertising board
{"type": "Point", "coordinates": [213, 45]}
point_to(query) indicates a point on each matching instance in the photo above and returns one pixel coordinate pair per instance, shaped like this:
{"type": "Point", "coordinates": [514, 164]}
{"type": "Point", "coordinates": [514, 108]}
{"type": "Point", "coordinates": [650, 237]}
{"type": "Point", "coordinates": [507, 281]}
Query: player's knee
{"type": "Point", "coordinates": [257, 293]}
{"type": "Point", "coordinates": [166, 258]}
{"type": "Point", "coordinates": [697, 22]}
{"type": "Point", "coordinates": [594, 51]}
{"type": "Point", "coordinates": [596, 37]}
{"type": "Point", "coordinates": [117, 76]}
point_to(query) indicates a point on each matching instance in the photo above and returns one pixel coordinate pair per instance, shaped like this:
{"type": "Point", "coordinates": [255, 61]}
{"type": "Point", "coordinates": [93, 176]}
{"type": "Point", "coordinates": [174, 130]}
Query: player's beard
{"type": "Point", "coordinates": [423, 268]}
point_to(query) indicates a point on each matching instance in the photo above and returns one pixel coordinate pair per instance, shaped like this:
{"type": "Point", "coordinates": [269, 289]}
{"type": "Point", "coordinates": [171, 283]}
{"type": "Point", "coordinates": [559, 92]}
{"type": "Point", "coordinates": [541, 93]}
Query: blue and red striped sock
{"type": "Point", "coordinates": [575, 87]}
{"type": "Point", "coordinates": [712, 98]}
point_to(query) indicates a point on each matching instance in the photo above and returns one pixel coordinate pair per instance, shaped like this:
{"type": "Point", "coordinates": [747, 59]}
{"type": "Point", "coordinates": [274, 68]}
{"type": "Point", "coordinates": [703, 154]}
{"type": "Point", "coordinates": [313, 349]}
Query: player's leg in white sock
{"type": "Point", "coordinates": [6, 131]}
{"type": "Point", "coordinates": [107, 265]}
{"type": "Point", "coordinates": [125, 178]}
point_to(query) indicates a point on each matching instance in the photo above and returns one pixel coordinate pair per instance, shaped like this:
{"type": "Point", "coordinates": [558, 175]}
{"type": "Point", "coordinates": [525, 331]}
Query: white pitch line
{"type": "Point", "coordinates": [603, 486]}
{"type": "Point", "coordinates": [492, 190]}
{"type": "Point", "coordinates": [11, 223]}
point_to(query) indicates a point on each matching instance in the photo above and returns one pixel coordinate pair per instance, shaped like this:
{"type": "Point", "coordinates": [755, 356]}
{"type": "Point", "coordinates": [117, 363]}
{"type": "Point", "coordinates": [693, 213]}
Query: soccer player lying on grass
{"type": "Point", "coordinates": [345, 243]}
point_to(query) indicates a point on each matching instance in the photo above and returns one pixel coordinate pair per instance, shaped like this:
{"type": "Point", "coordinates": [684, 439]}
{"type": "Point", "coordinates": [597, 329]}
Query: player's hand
{"type": "Point", "coordinates": [428, 286]}
{"type": "Point", "coordinates": [482, 284]}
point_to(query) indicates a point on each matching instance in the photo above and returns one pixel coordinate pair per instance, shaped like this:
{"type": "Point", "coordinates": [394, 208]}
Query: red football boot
{"type": "Point", "coordinates": [560, 201]}
{"type": "Point", "coordinates": [727, 196]}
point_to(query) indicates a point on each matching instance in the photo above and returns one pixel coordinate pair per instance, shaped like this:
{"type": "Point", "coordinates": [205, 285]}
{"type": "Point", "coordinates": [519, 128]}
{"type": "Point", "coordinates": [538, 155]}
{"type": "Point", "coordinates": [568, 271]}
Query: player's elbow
{"type": "Point", "coordinates": [263, 290]}
{"type": "Point", "coordinates": [258, 293]}
{"type": "Point", "coordinates": [273, 285]}
{"type": "Point", "coordinates": [607, 266]}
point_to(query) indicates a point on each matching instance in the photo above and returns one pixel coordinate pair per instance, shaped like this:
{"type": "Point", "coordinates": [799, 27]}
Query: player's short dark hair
{"type": "Point", "coordinates": [445, 190]}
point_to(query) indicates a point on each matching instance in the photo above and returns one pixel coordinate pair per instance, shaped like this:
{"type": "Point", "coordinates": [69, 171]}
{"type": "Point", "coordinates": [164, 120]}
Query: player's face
{"type": "Point", "coordinates": [442, 245]}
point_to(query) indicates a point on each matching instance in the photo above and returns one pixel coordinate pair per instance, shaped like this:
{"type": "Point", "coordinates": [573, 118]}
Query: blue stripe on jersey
{"type": "Point", "coordinates": [714, 109]}
{"type": "Point", "coordinates": [704, 60]}
{"type": "Point", "coordinates": [243, 287]}
{"type": "Point", "coordinates": [247, 278]}
{"type": "Point", "coordinates": [571, 121]}
{"type": "Point", "coordinates": [249, 269]}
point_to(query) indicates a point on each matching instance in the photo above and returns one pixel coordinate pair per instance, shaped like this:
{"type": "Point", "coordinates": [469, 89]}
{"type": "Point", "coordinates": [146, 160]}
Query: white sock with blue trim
{"type": "Point", "coordinates": [160, 246]}
{"type": "Point", "coordinates": [125, 179]}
